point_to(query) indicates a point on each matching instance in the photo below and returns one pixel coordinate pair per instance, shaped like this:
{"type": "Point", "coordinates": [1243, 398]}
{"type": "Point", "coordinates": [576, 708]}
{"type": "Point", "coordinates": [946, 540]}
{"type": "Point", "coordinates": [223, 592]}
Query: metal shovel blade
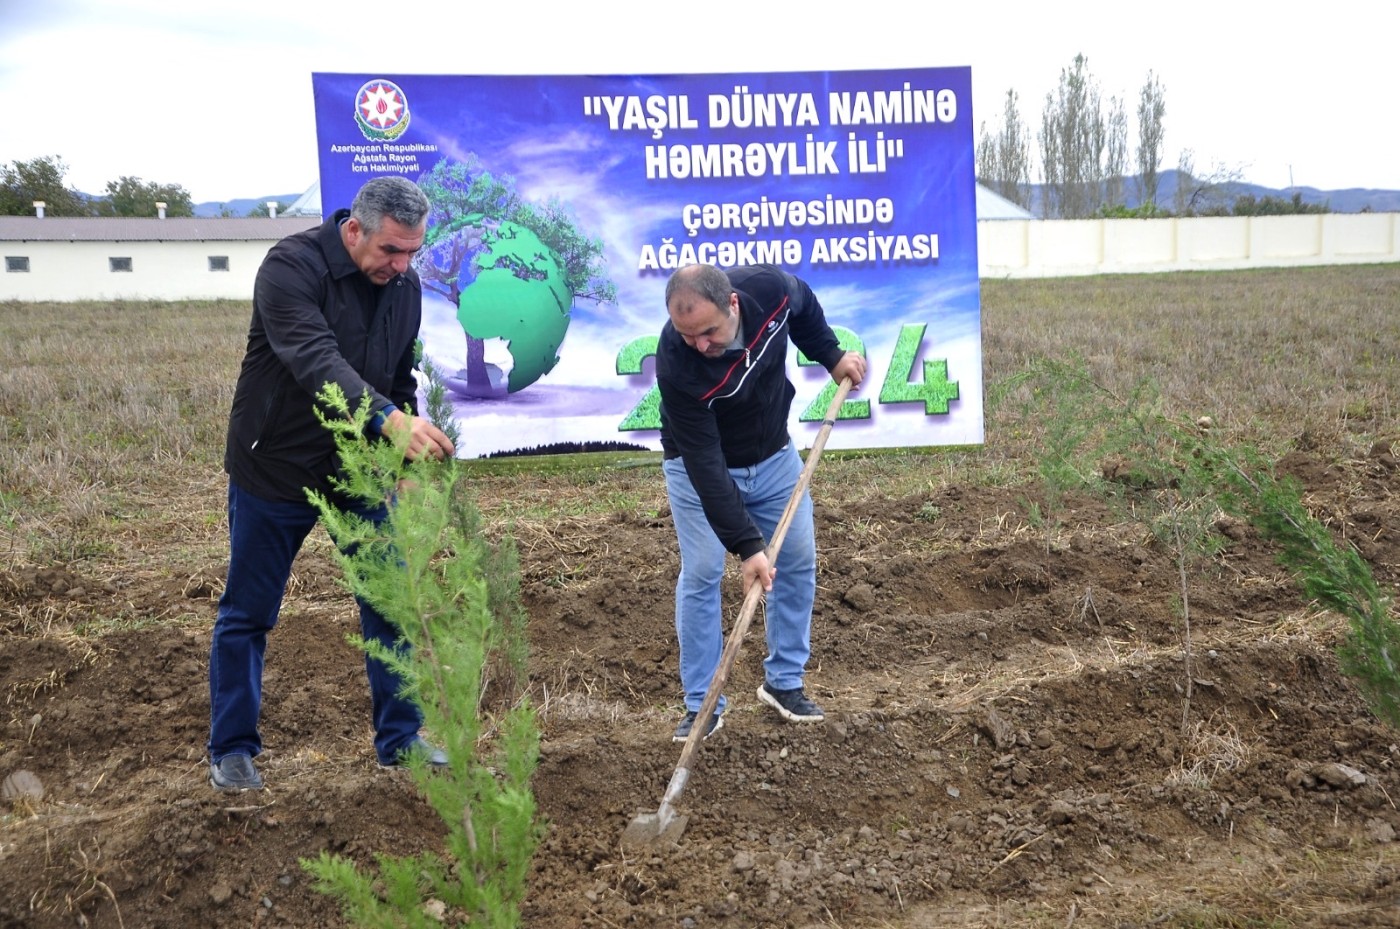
{"type": "Point", "coordinates": [661, 827]}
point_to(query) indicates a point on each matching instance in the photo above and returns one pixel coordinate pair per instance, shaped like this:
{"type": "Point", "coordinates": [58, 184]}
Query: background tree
{"type": "Point", "coordinates": [1152, 107]}
{"type": "Point", "coordinates": [1269, 205]}
{"type": "Point", "coordinates": [1072, 142]}
{"type": "Point", "coordinates": [23, 182]}
{"type": "Point", "coordinates": [1115, 154]}
{"type": "Point", "coordinates": [1185, 180]}
{"type": "Point", "coordinates": [131, 196]}
{"type": "Point", "coordinates": [262, 210]}
{"type": "Point", "coordinates": [1208, 194]}
{"type": "Point", "coordinates": [1004, 160]}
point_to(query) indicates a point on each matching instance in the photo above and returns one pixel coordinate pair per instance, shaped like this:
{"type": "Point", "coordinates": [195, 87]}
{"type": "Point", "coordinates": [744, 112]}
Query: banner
{"type": "Point", "coordinates": [562, 204]}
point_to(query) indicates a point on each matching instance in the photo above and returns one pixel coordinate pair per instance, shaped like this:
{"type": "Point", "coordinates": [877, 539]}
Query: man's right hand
{"type": "Point", "coordinates": [424, 439]}
{"type": "Point", "coordinates": [852, 365]}
{"type": "Point", "coordinates": [756, 569]}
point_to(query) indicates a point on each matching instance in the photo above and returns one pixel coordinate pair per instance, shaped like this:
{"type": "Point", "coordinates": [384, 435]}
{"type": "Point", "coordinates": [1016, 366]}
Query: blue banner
{"type": "Point", "coordinates": [561, 205]}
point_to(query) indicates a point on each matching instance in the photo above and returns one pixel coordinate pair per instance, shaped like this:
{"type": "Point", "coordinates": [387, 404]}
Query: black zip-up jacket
{"type": "Point", "coordinates": [732, 411]}
{"type": "Point", "coordinates": [316, 319]}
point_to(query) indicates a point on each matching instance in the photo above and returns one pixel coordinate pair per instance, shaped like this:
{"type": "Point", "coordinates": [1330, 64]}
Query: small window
{"type": "Point", "coordinates": [119, 264]}
{"type": "Point", "coordinates": [218, 262]}
{"type": "Point", "coordinates": [16, 262]}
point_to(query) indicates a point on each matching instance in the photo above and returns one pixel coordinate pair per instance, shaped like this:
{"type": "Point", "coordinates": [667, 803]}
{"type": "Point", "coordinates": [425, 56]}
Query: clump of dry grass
{"type": "Point", "coordinates": [1209, 750]}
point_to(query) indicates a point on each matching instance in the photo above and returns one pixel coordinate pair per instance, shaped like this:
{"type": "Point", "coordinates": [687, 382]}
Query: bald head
{"type": "Point", "coordinates": [697, 284]}
{"type": "Point", "coordinates": [704, 308]}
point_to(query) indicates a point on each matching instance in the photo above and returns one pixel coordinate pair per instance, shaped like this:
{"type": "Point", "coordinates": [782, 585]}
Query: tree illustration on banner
{"type": "Point", "coordinates": [512, 268]}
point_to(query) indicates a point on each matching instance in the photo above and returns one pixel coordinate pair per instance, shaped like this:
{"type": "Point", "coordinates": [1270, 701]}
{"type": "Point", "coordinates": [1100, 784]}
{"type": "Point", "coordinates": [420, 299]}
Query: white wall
{"type": "Point", "coordinates": [1062, 248]}
{"type": "Point", "coordinates": [62, 271]}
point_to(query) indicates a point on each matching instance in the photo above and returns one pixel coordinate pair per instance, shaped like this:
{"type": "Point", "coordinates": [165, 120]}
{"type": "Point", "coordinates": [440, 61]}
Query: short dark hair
{"type": "Point", "coordinates": [393, 196]}
{"type": "Point", "coordinates": [704, 281]}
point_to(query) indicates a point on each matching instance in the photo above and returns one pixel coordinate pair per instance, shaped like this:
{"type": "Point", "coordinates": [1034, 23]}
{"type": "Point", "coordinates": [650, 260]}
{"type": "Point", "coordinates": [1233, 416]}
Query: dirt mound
{"type": "Point", "coordinates": [1006, 740]}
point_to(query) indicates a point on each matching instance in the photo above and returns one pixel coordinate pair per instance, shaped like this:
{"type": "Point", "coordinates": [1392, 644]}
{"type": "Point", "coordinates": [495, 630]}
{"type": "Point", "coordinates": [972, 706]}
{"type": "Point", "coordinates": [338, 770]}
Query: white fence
{"type": "Point", "coordinates": [1063, 248]}
{"type": "Point", "coordinates": [184, 270]}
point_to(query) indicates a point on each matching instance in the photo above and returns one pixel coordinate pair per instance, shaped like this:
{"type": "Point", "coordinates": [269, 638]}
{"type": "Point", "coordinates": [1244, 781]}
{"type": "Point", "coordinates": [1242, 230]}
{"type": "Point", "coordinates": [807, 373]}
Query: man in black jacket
{"type": "Point", "coordinates": [336, 304]}
{"type": "Point", "coordinates": [730, 467]}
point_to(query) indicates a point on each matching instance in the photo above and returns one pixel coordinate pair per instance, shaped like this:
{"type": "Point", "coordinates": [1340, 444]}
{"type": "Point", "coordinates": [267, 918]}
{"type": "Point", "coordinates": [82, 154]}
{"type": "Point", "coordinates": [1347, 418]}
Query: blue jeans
{"type": "Point", "coordinates": [264, 537]}
{"type": "Point", "coordinates": [765, 489]}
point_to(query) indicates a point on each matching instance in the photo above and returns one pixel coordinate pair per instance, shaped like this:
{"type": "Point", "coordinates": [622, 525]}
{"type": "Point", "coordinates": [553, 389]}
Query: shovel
{"type": "Point", "coordinates": [665, 826]}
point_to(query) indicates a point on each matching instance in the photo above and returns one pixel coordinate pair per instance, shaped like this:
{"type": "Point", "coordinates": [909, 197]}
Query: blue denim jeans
{"type": "Point", "coordinates": [765, 489]}
{"type": "Point", "coordinates": [264, 538]}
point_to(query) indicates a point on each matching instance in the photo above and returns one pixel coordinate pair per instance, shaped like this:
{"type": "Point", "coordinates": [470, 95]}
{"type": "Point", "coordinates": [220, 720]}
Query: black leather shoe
{"type": "Point", "coordinates": [235, 772]}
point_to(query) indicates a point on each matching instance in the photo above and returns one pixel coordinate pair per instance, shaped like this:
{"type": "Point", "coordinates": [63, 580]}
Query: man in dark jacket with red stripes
{"type": "Point", "coordinates": [336, 304]}
{"type": "Point", "coordinates": [730, 466]}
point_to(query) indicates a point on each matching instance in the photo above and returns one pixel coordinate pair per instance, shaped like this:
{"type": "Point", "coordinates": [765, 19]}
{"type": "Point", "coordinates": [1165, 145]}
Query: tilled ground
{"type": "Point", "coordinates": [1008, 739]}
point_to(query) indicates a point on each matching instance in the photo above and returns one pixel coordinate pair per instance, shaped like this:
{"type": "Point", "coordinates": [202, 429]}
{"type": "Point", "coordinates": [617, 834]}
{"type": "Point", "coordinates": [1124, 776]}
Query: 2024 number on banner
{"type": "Point", "coordinates": [934, 391]}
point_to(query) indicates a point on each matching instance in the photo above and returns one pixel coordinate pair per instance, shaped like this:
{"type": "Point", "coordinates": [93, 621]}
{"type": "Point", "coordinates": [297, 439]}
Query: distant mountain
{"type": "Point", "coordinates": [1351, 200]}
{"type": "Point", "coordinates": [242, 206]}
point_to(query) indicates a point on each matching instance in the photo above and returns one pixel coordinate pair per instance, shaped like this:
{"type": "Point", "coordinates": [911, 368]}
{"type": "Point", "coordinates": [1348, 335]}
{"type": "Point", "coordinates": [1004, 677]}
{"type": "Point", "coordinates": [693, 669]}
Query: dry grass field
{"type": "Point", "coordinates": [1005, 742]}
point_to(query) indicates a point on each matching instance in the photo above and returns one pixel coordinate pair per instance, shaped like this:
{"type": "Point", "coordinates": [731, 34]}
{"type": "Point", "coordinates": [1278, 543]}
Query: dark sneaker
{"type": "Point", "coordinates": [435, 756]}
{"type": "Point", "coordinates": [683, 730]}
{"type": "Point", "coordinates": [234, 772]}
{"type": "Point", "coordinates": [792, 704]}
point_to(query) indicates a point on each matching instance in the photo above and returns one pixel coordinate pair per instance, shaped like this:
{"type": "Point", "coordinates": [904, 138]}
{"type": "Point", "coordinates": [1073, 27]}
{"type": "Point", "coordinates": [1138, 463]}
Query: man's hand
{"type": "Point", "coordinates": [424, 439]}
{"type": "Point", "coordinates": [757, 570]}
{"type": "Point", "coordinates": [851, 365]}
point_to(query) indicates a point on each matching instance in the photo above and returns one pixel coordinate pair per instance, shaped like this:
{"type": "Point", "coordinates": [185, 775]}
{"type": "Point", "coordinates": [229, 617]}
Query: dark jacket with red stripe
{"type": "Point", "coordinates": [732, 411]}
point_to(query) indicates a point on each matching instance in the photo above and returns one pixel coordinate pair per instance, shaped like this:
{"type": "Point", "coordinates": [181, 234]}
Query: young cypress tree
{"type": "Point", "coordinates": [1177, 476]}
{"type": "Point", "coordinates": [1332, 573]}
{"type": "Point", "coordinates": [454, 597]}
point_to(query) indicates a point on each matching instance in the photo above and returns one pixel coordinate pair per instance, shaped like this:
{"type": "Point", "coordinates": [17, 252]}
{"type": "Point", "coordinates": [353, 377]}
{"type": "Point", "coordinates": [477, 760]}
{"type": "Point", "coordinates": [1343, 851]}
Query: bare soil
{"type": "Point", "coordinates": [1007, 740]}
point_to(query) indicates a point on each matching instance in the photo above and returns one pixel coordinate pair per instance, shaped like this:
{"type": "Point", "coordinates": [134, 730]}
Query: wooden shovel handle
{"type": "Point", "coordinates": [805, 478]}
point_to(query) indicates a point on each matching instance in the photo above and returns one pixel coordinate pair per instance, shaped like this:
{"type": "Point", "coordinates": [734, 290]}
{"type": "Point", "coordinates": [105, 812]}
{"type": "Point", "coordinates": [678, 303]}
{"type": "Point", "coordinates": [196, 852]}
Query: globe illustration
{"type": "Point", "coordinates": [518, 296]}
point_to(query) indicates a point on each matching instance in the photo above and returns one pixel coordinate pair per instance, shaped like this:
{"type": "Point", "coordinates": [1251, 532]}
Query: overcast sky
{"type": "Point", "coordinates": [216, 96]}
